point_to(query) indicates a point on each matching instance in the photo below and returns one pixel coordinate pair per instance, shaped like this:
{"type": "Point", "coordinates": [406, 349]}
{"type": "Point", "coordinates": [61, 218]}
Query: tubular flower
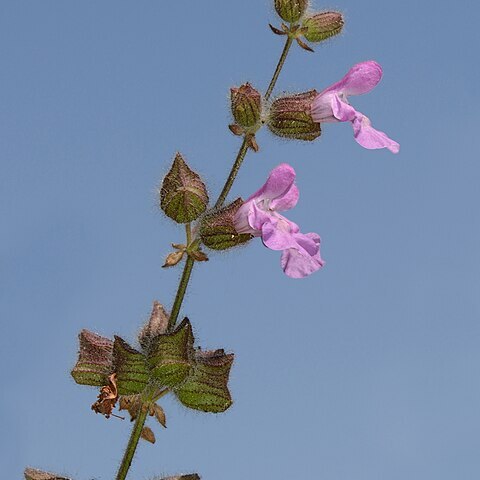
{"type": "Point", "coordinates": [259, 216]}
{"type": "Point", "coordinates": [332, 105]}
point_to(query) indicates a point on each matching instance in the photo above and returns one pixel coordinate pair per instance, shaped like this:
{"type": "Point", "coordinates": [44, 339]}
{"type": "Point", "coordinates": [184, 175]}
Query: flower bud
{"type": "Point", "coordinates": [217, 229]}
{"type": "Point", "coordinates": [323, 25]}
{"type": "Point", "coordinates": [157, 325]}
{"type": "Point", "coordinates": [289, 117]}
{"type": "Point", "coordinates": [246, 105]}
{"type": "Point", "coordinates": [183, 196]}
{"type": "Point", "coordinates": [291, 10]}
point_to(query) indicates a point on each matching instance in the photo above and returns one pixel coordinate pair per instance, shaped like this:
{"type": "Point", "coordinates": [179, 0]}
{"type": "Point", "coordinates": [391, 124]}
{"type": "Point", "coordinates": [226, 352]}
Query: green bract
{"type": "Point", "coordinates": [206, 389]}
{"type": "Point", "coordinates": [95, 359]}
{"type": "Point", "coordinates": [199, 379]}
{"type": "Point", "coordinates": [183, 196]}
{"type": "Point", "coordinates": [130, 367]}
{"type": "Point", "coordinates": [170, 357]}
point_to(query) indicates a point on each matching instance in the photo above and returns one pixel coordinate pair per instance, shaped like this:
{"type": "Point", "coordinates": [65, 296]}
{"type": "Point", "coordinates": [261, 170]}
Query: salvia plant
{"type": "Point", "coordinates": [166, 359]}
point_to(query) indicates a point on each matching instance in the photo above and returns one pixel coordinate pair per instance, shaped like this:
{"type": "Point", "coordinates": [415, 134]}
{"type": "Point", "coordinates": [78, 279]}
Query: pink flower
{"type": "Point", "coordinates": [259, 216]}
{"type": "Point", "coordinates": [332, 105]}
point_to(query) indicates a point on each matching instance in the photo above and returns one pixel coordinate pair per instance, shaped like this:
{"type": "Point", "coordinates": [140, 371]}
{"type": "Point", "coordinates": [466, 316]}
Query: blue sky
{"type": "Point", "coordinates": [367, 370]}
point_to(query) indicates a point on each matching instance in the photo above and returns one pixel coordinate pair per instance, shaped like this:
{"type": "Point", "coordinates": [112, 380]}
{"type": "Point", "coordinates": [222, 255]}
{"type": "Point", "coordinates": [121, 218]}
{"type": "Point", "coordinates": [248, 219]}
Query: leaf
{"type": "Point", "coordinates": [183, 196]}
{"type": "Point", "coordinates": [94, 360]}
{"type": "Point", "coordinates": [206, 389]}
{"type": "Point", "coordinates": [148, 435]}
{"type": "Point", "coordinates": [34, 474]}
{"type": "Point", "coordinates": [170, 357]}
{"type": "Point", "coordinates": [130, 367]}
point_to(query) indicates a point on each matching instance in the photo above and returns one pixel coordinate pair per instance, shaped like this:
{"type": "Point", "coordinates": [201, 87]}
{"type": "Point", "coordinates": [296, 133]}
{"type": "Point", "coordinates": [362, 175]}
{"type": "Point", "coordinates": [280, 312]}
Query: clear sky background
{"type": "Point", "coordinates": [368, 369]}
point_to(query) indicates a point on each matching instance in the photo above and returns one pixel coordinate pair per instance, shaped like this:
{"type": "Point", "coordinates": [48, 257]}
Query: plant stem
{"type": "Point", "coordinates": [187, 269]}
{"type": "Point", "coordinates": [132, 444]}
{"type": "Point", "coordinates": [182, 287]}
{"type": "Point", "coordinates": [280, 64]}
{"type": "Point", "coordinates": [233, 173]}
{"type": "Point", "coordinates": [244, 147]}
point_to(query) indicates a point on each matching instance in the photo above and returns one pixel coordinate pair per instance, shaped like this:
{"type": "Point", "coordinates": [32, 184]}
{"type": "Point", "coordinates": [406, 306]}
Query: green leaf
{"type": "Point", "coordinates": [183, 196]}
{"type": "Point", "coordinates": [206, 389]}
{"type": "Point", "coordinates": [130, 367]}
{"type": "Point", "coordinates": [94, 360]}
{"type": "Point", "coordinates": [217, 229]}
{"type": "Point", "coordinates": [170, 357]}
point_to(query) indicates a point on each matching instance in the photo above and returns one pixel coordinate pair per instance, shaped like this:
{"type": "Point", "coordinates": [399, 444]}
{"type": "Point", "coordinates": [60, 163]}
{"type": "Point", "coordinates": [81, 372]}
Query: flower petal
{"type": "Point", "coordinates": [301, 262]}
{"type": "Point", "coordinates": [321, 108]}
{"type": "Point", "coordinates": [361, 78]}
{"type": "Point", "coordinates": [242, 219]}
{"type": "Point", "coordinates": [279, 233]}
{"type": "Point", "coordinates": [342, 110]}
{"type": "Point", "coordinates": [287, 201]}
{"type": "Point", "coordinates": [369, 137]}
{"type": "Point", "coordinates": [278, 183]}
{"type": "Point", "coordinates": [257, 218]}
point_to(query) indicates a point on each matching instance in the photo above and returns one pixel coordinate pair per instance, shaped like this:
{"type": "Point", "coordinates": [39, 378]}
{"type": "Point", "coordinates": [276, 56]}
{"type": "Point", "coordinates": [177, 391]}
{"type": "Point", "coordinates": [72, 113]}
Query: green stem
{"type": "Point", "coordinates": [280, 64]}
{"type": "Point", "coordinates": [132, 444]}
{"type": "Point", "coordinates": [244, 147]}
{"type": "Point", "coordinates": [188, 231]}
{"type": "Point", "coordinates": [187, 270]}
{"type": "Point", "coordinates": [233, 173]}
{"type": "Point", "coordinates": [182, 287]}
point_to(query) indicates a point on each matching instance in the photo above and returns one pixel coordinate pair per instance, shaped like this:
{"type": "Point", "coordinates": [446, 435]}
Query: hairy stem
{"type": "Point", "coordinates": [132, 444]}
{"type": "Point", "coordinates": [280, 64]}
{"type": "Point", "coordinates": [182, 287]}
{"type": "Point", "coordinates": [244, 147]}
{"type": "Point", "coordinates": [233, 173]}
{"type": "Point", "coordinates": [187, 269]}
